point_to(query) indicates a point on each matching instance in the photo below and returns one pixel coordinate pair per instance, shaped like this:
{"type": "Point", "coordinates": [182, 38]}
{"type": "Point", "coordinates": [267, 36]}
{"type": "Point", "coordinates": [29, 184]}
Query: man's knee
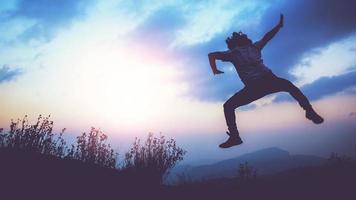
{"type": "Point", "coordinates": [229, 106]}
{"type": "Point", "coordinates": [287, 85]}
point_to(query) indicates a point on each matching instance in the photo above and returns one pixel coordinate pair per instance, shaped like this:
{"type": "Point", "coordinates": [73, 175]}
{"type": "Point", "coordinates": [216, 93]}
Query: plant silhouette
{"type": "Point", "coordinates": [153, 159]}
{"type": "Point", "coordinates": [36, 138]}
{"type": "Point", "coordinates": [92, 148]}
{"type": "Point", "coordinates": [149, 162]}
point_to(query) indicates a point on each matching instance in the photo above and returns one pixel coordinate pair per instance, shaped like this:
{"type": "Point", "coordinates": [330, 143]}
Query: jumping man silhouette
{"type": "Point", "coordinates": [258, 79]}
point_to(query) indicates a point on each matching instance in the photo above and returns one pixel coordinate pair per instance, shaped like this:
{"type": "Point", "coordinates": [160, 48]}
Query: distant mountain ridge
{"type": "Point", "coordinates": [266, 161]}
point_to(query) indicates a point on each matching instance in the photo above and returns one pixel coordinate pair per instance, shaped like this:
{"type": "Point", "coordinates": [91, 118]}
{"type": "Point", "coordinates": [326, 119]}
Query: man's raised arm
{"type": "Point", "coordinates": [268, 36]}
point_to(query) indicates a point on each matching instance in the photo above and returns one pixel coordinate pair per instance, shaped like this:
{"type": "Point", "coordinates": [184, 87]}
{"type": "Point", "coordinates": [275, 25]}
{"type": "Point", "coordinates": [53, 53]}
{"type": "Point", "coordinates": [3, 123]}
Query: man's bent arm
{"type": "Point", "coordinates": [212, 58]}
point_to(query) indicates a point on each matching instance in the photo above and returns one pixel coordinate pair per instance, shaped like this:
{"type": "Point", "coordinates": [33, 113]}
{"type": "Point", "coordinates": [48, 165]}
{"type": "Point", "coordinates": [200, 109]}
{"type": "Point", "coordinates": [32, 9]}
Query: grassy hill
{"type": "Point", "coordinates": [27, 175]}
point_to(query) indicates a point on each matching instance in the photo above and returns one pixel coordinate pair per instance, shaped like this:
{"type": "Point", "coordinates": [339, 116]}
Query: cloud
{"type": "Point", "coordinates": [329, 85]}
{"type": "Point", "coordinates": [350, 91]}
{"type": "Point", "coordinates": [159, 27]}
{"type": "Point", "coordinates": [14, 28]}
{"type": "Point", "coordinates": [7, 6]}
{"type": "Point", "coordinates": [192, 23]}
{"type": "Point", "coordinates": [332, 60]}
{"type": "Point", "coordinates": [206, 20]}
{"type": "Point", "coordinates": [8, 74]}
{"type": "Point", "coordinates": [41, 18]}
{"type": "Point", "coordinates": [308, 25]}
{"type": "Point", "coordinates": [325, 86]}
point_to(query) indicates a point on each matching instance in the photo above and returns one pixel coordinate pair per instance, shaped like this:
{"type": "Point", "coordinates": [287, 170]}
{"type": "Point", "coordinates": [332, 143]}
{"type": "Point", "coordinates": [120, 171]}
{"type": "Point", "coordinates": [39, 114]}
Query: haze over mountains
{"type": "Point", "coordinates": [266, 161]}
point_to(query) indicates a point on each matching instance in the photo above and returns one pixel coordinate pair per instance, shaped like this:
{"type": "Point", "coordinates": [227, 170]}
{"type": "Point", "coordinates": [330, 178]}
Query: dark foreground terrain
{"type": "Point", "coordinates": [34, 176]}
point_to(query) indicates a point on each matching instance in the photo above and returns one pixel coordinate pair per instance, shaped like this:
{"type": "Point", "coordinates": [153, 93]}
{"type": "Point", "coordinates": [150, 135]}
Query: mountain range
{"type": "Point", "coordinates": [266, 161]}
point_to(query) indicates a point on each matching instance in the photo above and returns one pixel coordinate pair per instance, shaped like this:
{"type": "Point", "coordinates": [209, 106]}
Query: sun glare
{"type": "Point", "coordinates": [128, 85]}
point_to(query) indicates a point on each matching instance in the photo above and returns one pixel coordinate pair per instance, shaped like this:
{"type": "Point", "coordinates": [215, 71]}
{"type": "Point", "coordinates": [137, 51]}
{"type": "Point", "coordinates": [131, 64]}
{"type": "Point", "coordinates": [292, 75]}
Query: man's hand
{"type": "Point", "coordinates": [281, 21]}
{"type": "Point", "coordinates": [217, 72]}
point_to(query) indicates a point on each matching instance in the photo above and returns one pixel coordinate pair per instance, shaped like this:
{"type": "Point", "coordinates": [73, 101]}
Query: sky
{"type": "Point", "coordinates": [134, 67]}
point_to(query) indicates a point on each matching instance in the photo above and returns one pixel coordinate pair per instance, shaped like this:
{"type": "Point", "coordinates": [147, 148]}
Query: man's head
{"type": "Point", "coordinates": [237, 39]}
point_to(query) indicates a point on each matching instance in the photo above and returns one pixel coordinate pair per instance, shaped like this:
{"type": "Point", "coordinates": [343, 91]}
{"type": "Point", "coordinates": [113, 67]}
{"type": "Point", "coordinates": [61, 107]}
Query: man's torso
{"type": "Point", "coordinates": [248, 62]}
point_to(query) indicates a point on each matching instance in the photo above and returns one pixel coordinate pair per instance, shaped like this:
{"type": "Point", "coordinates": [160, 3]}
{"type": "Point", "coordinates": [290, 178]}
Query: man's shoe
{"type": "Point", "coordinates": [313, 116]}
{"type": "Point", "coordinates": [233, 140]}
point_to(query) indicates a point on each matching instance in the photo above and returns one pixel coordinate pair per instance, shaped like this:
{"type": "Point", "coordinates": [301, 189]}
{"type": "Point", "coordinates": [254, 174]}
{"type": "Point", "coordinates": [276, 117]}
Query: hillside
{"type": "Point", "coordinates": [332, 180]}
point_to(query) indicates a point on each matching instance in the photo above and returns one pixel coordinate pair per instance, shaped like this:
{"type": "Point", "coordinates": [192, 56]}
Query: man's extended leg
{"type": "Point", "coordinates": [285, 85]}
{"type": "Point", "coordinates": [243, 97]}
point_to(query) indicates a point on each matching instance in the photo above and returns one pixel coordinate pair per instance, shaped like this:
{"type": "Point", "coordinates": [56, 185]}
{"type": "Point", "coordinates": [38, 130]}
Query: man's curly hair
{"type": "Point", "coordinates": [237, 39]}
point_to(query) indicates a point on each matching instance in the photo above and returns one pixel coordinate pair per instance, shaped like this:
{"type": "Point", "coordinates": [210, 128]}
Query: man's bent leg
{"type": "Point", "coordinates": [243, 97]}
{"type": "Point", "coordinates": [303, 101]}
